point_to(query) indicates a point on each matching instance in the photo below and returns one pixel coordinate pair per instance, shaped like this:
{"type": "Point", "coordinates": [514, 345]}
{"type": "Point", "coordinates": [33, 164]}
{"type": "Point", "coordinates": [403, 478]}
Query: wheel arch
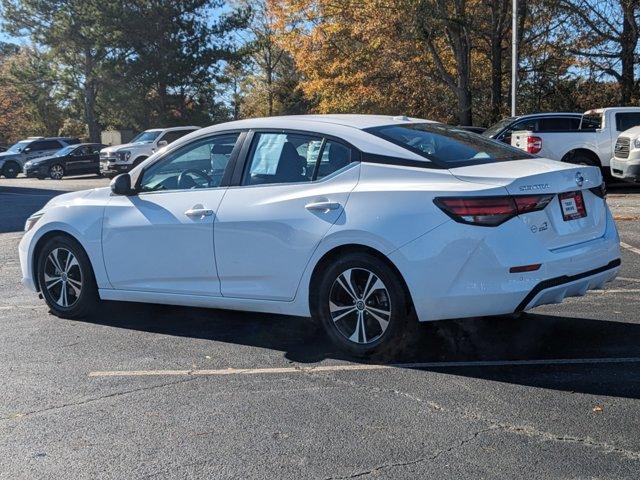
{"type": "Point", "coordinates": [344, 249]}
{"type": "Point", "coordinates": [567, 157]}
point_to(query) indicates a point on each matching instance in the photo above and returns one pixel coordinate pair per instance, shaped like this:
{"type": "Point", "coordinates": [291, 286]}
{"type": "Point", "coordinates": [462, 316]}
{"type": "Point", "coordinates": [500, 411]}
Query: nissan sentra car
{"type": "Point", "coordinates": [365, 223]}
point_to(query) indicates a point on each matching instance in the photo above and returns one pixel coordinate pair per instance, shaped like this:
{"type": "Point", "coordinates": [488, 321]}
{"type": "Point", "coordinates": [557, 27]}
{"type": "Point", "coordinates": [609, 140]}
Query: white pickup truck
{"type": "Point", "coordinates": [122, 158]}
{"type": "Point", "coordinates": [592, 144]}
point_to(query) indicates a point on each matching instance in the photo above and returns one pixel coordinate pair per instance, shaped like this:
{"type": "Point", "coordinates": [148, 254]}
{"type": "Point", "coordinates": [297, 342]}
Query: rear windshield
{"type": "Point", "coordinates": [448, 146]}
{"type": "Point", "coordinates": [496, 128]}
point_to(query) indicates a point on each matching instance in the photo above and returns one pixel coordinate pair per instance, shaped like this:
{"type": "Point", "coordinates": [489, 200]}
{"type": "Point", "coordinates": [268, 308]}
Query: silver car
{"type": "Point", "coordinates": [12, 161]}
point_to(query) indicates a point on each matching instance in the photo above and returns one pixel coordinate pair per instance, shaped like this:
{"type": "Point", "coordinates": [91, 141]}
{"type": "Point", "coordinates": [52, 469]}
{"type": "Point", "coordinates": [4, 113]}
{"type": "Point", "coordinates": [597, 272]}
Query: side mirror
{"type": "Point", "coordinates": [27, 150]}
{"type": "Point", "coordinates": [162, 143]}
{"type": "Point", "coordinates": [121, 185]}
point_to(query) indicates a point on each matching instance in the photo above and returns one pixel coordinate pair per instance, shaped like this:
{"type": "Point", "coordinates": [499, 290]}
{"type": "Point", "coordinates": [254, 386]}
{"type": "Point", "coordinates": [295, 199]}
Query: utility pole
{"type": "Point", "coordinates": [514, 56]}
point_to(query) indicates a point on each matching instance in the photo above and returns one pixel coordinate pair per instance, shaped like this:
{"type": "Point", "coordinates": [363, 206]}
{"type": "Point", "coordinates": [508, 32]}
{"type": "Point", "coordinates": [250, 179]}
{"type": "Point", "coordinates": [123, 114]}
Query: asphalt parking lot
{"type": "Point", "coordinates": [147, 391]}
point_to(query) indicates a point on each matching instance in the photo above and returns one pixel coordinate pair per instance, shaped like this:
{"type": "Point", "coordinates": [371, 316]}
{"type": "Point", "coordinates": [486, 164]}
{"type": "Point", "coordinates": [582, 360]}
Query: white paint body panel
{"type": "Point", "coordinates": [258, 249]}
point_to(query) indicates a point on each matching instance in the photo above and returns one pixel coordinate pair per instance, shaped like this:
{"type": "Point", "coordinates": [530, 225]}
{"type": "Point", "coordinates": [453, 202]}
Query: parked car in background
{"type": "Point", "coordinates": [625, 163]}
{"type": "Point", "coordinates": [122, 158]}
{"type": "Point", "coordinates": [77, 159]}
{"type": "Point", "coordinates": [472, 129]}
{"type": "Point", "coordinates": [357, 220]}
{"type": "Point", "coordinates": [592, 144]}
{"type": "Point", "coordinates": [12, 161]}
{"type": "Point", "coordinates": [537, 122]}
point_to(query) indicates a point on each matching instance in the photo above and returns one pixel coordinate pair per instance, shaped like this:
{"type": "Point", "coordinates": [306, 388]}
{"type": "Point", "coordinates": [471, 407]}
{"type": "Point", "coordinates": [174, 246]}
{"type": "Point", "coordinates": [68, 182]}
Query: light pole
{"type": "Point", "coordinates": [514, 56]}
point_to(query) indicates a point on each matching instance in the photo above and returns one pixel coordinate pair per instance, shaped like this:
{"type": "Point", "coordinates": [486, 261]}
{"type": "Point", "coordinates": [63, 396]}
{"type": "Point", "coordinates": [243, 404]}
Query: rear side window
{"type": "Point", "coordinates": [447, 146]}
{"type": "Point", "coordinates": [558, 124]}
{"type": "Point", "coordinates": [46, 145]}
{"type": "Point", "coordinates": [173, 136]}
{"type": "Point", "coordinates": [625, 121]}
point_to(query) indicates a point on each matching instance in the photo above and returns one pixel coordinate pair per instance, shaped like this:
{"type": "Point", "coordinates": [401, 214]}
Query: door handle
{"type": "Point", "coordinates": [198, 212]}
{"type": "Point", "coordinates": [322, 206]}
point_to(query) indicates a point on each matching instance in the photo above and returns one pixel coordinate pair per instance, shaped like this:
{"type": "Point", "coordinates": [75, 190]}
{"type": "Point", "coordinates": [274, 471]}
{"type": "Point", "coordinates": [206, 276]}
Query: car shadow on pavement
{"type": "Point", "coordinates": [530, 337]}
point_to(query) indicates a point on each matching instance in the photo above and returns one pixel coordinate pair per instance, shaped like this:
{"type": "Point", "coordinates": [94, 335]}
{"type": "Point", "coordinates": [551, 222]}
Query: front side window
{"type": "Point", "coordinates": [282, 158]}
{"type": "Point", "coordinates": [200, 164]}
{"type": "Point", "coordinates": [173, 136]}
{"type": "Point", "coordinates": [18, 147]}
{"type": "Point", "coordinates": [447, 146]}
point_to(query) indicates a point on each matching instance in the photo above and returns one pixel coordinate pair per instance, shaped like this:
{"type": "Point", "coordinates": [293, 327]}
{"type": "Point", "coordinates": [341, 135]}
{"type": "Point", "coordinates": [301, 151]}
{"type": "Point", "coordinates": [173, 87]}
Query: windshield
{"type": "Point", "coordinates": [18, 147]}
{"type": "Point", "coordinates": [146, 137]}
{"type": "Point", "coordinates": [65, 151]}
{"type": "Point", "coordinates": [496, 128]}
{"type": "Point", "coordinates": [448, 146]}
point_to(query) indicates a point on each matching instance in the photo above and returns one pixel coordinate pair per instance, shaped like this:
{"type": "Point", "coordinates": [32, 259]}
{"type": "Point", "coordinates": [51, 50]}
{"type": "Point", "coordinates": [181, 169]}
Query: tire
{"type": "Point", "coordinates": [582, 159]}
{"type": "Point", "coordinates": [10, 170]}
{"type": "Point", "coordinates": [56, 171]}
{"type": "Point", "coordinates": [347, 315]}
{"type": "Point", "coordinates": [72, 293]}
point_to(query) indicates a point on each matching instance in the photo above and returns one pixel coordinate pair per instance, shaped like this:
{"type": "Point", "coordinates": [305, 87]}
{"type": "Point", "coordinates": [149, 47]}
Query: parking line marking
{"type": "Point", "coordinates": [363, 367]}
{"type": "Point", "coordinates": [631, 248]}
{"type": "Point", "coordinates": [628, 279]}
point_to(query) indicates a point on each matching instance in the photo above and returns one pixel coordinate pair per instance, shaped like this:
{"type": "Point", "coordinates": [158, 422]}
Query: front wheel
{"type": "Point", "coordinates": [362, 305]}
{"type": "Point", "coordinates": [11, 170]}
{"type": "Point", "coordinates": [66, 278]}
{"type": "Point", "coordinates": [56, 171]}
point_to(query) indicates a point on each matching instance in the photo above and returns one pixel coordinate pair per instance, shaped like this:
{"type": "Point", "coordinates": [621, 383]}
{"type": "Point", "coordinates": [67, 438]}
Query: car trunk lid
{"type": "Point", "coordinates": [561, 223]}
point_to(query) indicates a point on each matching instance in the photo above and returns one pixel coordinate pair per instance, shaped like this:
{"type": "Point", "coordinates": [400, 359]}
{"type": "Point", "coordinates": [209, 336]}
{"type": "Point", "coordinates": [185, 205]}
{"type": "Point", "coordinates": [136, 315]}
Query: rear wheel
{"type": "Point", "coordinates": [66, 278]}
{"type": "Point", "coordinates": [362, 305]}
{"type": "Point", "coordinates": [56, 171]}
{"type": "Point", "coordinates": [10, 169]}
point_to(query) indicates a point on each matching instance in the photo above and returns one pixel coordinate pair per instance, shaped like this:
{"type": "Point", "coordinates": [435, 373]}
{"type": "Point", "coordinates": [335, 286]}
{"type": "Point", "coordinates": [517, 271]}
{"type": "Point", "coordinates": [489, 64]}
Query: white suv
{"type": "Point", "coordinates": [122, 158]}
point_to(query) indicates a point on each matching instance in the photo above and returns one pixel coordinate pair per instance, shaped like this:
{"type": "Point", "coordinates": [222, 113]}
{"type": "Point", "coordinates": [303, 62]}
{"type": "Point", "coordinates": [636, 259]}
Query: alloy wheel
{"type": "Point", "coordinates": [63, 277]}
{"type": "Point", "coordinates": [56, 172]}
{"type": "Point", "coordinates": [360, 306]}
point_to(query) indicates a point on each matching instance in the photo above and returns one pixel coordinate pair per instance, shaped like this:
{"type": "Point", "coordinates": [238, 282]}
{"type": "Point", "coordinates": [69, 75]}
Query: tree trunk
{"type": "Point", "coordinates": [628, 42]}
{"type": "Point", "coordinates": [90, 99]}
{"type": "Point", "coordinates": [496, 79]}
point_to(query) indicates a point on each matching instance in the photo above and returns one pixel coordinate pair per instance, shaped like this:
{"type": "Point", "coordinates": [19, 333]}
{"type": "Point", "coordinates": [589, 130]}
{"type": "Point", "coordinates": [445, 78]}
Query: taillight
{"type": "Point", "coordinates": [534, 144]}
{"type": "Point", "coordinates": [600, 190]}
{"type": "Point", "coordinates": [490, 211]}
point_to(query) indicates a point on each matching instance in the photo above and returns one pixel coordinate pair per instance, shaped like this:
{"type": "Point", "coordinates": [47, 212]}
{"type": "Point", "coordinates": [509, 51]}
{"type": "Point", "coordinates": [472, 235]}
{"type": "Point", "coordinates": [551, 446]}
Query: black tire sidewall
{"type": "Point", "coordinates": [393, 338]}
{"type": "Point", "coordinates": [88, 294]}
{"type": "Point", "coordinates": [7, 165]}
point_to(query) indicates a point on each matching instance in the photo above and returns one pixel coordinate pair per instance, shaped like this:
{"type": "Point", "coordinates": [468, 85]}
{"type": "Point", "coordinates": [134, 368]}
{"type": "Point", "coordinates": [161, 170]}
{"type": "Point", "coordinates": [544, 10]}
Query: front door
{"type": "Point", "coordinates": [161, 240]}
{"type": "Point", "coordinates": [293, 190]}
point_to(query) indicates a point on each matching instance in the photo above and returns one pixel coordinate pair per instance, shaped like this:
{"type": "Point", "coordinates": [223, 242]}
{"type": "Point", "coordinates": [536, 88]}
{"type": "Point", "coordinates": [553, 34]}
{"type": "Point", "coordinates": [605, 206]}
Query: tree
{"type": "Point", "coordinates": [78, 33]}
{"type": "Point", "coordinates": [29, 87]}
{"type": "Point", "coordinates": [606, 34]}
{"type": "Point", "coordinates": [172, 54]}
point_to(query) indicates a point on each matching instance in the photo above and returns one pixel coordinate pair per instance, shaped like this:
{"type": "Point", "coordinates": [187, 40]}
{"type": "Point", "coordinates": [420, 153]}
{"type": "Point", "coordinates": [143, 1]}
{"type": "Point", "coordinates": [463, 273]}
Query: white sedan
{"type": "Point", "coordinates": [363, 222]}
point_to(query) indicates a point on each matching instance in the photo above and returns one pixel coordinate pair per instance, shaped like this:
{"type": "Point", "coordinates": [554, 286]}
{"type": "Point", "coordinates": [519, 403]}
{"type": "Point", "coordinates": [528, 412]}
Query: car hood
{"type": "Point", "coordinates": [8, 155]}
{"type": "Point", "coordinates": [124, 146]}
{"type": "Point", "coordinates": [95, 196]}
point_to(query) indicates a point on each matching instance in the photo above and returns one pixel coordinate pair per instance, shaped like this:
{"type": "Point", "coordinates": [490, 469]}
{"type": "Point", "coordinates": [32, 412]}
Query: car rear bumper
{"type": "Point", "coordinates": [458, 271]}
{"type": "Point", "coordinates": [626, 169]}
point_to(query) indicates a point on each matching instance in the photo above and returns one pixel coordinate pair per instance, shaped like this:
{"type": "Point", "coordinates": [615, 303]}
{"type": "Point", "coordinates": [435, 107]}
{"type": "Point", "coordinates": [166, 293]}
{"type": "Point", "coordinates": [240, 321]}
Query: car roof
{"type": "Point", "coordinates": [549, 114]}
{"type": "Point", "coordinates": [347, 127]}
{"type": "Point", "coordinates": [360, 121]}
{"type": "Point", "coordinates": [184, 127]}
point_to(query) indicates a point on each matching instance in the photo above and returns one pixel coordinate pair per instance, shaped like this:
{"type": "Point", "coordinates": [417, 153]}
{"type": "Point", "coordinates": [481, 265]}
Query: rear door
{"type": "Point", "coordinates": [74, 161]}
{"type": "Point", "coordinates": [292, 189]}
